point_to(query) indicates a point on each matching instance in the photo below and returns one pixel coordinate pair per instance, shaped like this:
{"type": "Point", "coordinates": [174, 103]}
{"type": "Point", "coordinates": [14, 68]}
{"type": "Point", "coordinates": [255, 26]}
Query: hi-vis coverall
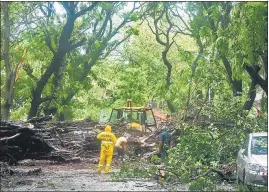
{"type": "Point", "coordinates": [107, 146]}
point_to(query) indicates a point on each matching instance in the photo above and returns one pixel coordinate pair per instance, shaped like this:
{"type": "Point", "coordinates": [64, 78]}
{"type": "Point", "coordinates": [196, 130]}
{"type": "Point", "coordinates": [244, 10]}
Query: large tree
{"type": "Point", "coordinates": [159, 21]}
{"type": "Point", "coordinates": [65, 45]}
{"type": "Point", "coordinates": [13, 26]}
{"type": "Point", "coordinates": [106, 35]}
{"type": "Point", "coordinates": [227, 30]}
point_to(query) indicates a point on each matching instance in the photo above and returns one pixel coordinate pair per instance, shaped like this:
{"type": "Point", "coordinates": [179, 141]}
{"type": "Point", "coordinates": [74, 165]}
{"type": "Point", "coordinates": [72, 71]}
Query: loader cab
{"type": "Point", "coordinates": [136, 117]}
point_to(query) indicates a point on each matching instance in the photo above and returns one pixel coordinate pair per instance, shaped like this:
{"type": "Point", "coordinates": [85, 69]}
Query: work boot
{"type": "Point", "coordinates": [99, 170]}
{"type": "Point", "coordinates": [107, 169]}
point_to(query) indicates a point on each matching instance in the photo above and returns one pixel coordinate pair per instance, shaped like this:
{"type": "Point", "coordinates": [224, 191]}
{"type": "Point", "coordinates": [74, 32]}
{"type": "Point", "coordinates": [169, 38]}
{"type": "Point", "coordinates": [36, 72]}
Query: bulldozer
{"type": "Point", "coordinates": [139, 120]}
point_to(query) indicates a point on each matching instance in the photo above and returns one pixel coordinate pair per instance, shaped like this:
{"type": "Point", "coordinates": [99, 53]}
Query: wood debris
{"type": "Point", "coordinates": [67, 141]}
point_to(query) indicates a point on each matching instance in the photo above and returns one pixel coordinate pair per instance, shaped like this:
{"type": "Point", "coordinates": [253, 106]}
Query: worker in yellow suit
{"type": "Point", "coordinates": [107, 147]}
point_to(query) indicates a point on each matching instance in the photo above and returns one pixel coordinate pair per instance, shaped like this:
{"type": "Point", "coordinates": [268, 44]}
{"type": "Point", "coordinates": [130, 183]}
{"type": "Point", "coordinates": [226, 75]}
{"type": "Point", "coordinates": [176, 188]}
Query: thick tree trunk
{"type": "Point", "coordinates": [168, 77]}
{"type": "Point", "coordinates": [237, 87]}
{"type": "Point", "coordinates": [72, 93]}
{"type": "Point", "coordinates": [87, 68]}
{"type": "Point", "coordinates": [9, 95]}
{"type": "Point", "coordinates": [171, 106]}
{"type": "Point", "coordinates": [55, 64]}
{"type": "Point", "coordinates": [263, 83]}
{"type": "Point", "coordinates": [169, 68]}
{"type": "Point", "coordinates": [49, 109]}
{"type": "Point", "coordinates": [252, 90]}
{"type": "Point", "coordinates": [251, 94]}
{"type": "Point", "coordinates": [10, 76]}
{"type": "Point", "coordinates": [235, 84]}
{"type": "Point", "coordinates": [36, 101]}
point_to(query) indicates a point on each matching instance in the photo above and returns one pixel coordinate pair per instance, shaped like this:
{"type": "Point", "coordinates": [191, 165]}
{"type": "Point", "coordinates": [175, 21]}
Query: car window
{"type": "Point", "coordinates": [259, 145]}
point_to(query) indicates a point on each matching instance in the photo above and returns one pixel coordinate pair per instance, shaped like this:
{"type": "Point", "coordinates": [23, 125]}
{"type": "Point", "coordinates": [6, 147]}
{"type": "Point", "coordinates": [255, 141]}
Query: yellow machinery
{"type": "Point", "coordinates": [138, 119]}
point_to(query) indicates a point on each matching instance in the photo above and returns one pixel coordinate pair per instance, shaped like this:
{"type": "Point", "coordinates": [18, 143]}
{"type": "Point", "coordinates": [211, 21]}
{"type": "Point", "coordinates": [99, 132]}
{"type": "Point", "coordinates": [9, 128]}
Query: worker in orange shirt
{"type": "Point", "coordinates": [107, 146]}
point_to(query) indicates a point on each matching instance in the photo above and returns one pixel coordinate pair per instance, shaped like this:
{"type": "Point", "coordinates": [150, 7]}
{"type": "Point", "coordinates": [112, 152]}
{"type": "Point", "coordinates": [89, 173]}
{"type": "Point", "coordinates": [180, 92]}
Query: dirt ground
{"type": "Point", "coordinates": [72, 177]}
{"type": "Point", "coordinates": [79, 177]}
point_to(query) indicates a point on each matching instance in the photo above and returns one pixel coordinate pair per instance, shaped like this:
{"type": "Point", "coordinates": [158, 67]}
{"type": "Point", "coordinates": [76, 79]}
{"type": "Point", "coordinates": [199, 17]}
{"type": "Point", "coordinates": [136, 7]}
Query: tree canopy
{"type": "Point", "coordinates": [72, 59]}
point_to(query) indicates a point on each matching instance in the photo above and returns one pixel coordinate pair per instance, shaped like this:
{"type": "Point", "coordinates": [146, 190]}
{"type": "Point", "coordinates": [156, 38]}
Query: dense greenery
{"type": "Point", "coordinates": [74, 52]}
{"type": "Point", "coordinates": [204, 151]}
{"type": "Point", "coordinates": [206, 60]}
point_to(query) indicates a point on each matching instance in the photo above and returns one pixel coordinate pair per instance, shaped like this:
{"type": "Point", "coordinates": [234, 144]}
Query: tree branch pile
{"type": "Point", "coordinates": [18, 141]}
{"type": "Point", "coordinates": [62, 141]}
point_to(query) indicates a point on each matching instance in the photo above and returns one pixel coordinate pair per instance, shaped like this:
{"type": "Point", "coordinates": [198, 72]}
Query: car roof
{"type": "Point", "coordinates": [259, 134]}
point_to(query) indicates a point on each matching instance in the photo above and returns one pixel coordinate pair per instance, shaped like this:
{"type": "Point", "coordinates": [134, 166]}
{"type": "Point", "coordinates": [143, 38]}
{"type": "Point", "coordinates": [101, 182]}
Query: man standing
{"type": "Point", "coordinates": [107, 146]}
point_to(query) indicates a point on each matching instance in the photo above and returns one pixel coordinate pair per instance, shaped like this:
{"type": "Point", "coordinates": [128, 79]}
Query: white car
{"type": "Point", "coordinates": [252, 162]}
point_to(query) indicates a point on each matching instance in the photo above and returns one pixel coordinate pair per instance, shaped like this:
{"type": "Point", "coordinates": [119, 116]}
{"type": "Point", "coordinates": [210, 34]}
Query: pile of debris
{"type": "Point", "coordinates": [67, 141]}
{"type": "Point", "coordinates": [19, 141]}
{"type": "Point", "coordinates": [64, 142]}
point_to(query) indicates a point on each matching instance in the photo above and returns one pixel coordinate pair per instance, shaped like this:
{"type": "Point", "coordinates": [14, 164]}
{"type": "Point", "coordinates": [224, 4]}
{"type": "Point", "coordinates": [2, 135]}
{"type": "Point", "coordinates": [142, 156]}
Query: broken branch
{"type": "Point", "coordinates": [8, 138]}
{"type": "Point", "coordinates": [19, 66]}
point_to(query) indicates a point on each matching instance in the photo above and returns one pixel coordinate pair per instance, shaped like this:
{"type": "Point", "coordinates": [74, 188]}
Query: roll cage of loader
{"type": "Point", "coordinates": [141, 118]}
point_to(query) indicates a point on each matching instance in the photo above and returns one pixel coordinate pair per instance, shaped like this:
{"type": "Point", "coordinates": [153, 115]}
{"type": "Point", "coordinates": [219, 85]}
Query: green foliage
{"type": "Point", "coordinates": [201, 147]}
{"type": "Point", "coordinates": [240, 36]}
{"type": "Point", "coordinates": [137, 72]}
{"type": "Point", "coordinates": [201, 184]}
{"type": "Point", "coordinates": [242, 188]}
{"type": "Point", "coordinates": [155, 160]}
{"type": "Point", "coordinates": [133, 170]}
{"type": "Point", "coordinates": [134, 16]}
{"type": "Point", "coordinates": [133, 31]}
{"type": "Point", "coordinates": [252, 21]}
{"type": "Point", "coordinates": [106, 5]}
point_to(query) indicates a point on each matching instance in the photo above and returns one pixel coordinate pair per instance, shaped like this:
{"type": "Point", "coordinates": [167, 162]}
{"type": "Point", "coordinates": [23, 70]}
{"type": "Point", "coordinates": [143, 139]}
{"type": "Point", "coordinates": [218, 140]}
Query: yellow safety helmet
{"type": "Point", "coordinates": [108, 128]}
